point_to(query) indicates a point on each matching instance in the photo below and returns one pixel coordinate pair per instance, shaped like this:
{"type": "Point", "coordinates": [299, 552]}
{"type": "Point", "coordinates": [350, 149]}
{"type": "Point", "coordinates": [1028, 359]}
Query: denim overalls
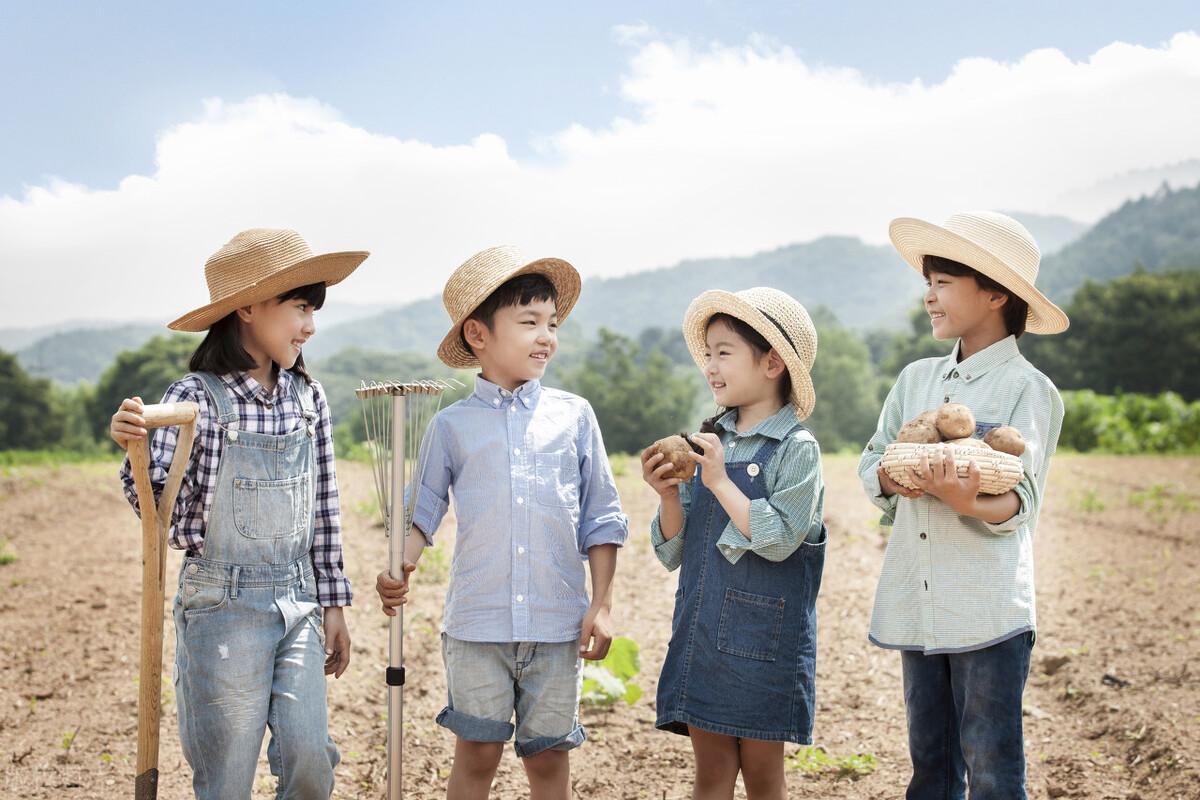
{"type": "Point", "coordinates": [742, 656]}
{"type": "Point", "coordinates": [249, 643]}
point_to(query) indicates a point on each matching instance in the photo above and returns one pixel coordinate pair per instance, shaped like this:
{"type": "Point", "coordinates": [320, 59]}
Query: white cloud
{"type": "Point", "coordinates": [731, 150]}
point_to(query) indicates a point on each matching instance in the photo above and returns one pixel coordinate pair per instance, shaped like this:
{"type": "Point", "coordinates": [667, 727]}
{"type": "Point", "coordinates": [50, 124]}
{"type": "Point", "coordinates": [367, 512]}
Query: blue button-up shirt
{"type": "Point", "coordinates": [533, 491]}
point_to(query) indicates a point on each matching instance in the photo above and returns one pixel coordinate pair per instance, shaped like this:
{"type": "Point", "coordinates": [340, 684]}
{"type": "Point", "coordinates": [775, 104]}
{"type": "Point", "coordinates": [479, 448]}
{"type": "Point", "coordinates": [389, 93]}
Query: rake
{"type": "Point", "coordinates": [154, 552]}
{"type": "Point", "coordinates": [396, 414]}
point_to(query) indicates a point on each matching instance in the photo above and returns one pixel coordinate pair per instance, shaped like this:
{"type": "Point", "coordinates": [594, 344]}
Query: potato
{"type": "Point", "coordinates": [928, 417]}
{"type": "Point", "coordinates": [955, 421]}
{"type": "Point", "coordinates": [968, 441]}
{"type": "Point", "coordinates": [919, 432]}
{"type": "Point", "coordinates": [1006, 440]}
{"type": "Point", "coordinates": [675, 449]}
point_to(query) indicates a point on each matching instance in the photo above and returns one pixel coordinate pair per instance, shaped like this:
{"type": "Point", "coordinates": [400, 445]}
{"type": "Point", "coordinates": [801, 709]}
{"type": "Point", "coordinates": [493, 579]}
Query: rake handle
{"type": "Point", "coordinates": [156, 519]}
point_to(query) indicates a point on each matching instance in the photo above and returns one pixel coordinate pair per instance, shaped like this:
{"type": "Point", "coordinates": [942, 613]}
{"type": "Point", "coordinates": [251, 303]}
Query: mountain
{"type": "Point", "coordinates": [1052, 231]}
{"type": "Point", "coordinates": [82, 354]}
{"type": "Point", "coordinates": [1159, 232]}
{"type": "Point", "coordinates": [1106, 196]}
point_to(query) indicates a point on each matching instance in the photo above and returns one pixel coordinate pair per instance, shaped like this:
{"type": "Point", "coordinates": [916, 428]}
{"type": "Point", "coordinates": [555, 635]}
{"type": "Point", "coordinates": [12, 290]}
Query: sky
{"type": "Point", "coordinates": [138, 137]}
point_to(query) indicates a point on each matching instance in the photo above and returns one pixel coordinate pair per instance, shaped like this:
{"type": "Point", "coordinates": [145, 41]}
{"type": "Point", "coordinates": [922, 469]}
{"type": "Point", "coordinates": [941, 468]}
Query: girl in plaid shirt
{"type": "Point", "coordinates": [258, 615]}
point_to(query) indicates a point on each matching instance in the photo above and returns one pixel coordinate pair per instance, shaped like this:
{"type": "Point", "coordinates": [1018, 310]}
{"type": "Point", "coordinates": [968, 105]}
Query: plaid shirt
{"type": "Point", "coordinates": [276, 414]}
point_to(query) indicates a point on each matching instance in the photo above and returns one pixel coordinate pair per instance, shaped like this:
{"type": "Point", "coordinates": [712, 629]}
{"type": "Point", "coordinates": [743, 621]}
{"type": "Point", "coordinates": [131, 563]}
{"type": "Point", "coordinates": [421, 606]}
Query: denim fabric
{"type": "Point", "coordinates": [249, 649]}
{"type": "Point", "coordinates": [964, 721]}
{"type": "Point", "coordinates": [742, 656]}
{"type": "Point", "coordinates": [486, 682]}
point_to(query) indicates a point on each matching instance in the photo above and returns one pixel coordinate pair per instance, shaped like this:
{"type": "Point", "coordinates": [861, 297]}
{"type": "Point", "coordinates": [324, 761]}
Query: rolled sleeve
{"type": "Point", "coordinates": [670, 551]}
{"type": "Point", "coordinates": [600, 518]}
{"type": "Point", "coordinates": [791, 514]}
{"type": "Point", "coordinates": [1038, 416]}
{"type": "Point", "coordinates": [890, 420]}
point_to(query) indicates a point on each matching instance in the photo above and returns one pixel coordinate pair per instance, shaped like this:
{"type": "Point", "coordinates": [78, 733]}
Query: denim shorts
{"type": "Point", "coordinates": [488, 682]}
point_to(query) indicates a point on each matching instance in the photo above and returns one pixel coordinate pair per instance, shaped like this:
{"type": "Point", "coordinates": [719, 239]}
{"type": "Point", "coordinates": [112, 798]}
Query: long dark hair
{"type": "Point", "coordinates": [759, 344]}
{"type": "Point", "coordinates": [221, 351]}
{"type": "Point", "coordinates": [1015, 311]}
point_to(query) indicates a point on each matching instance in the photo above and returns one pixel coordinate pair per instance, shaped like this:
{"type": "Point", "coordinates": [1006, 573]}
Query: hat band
{"type": "Point", "coordinates": [775, 322]}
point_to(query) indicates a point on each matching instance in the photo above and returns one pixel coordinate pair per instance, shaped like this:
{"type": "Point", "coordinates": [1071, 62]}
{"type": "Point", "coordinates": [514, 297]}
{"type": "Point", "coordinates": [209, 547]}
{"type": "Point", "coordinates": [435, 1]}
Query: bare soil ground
{"type": "Point", "coordinates": [1112, 709]}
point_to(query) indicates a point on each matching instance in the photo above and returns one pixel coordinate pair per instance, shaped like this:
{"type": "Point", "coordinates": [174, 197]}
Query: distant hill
{"type": "Point", "coordinates": [1159, 232]}
{"type": "Point", "coordinates": [82, 354]}
{"type": "Point", "coordinates": [1051, 231]}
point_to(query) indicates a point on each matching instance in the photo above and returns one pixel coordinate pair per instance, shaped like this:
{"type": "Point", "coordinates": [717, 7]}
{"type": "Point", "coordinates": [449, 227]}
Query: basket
{"type": "Point", "coordinates": [998, 471]}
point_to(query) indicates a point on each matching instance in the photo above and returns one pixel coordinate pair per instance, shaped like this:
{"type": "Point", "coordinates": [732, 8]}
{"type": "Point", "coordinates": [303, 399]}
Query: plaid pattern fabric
{"type": "Point", "coordinates": [950, 583]}
{"type": "Point", "coordinates": [791, 513]}
{"type": "Point", "coordinates": [276, 414]}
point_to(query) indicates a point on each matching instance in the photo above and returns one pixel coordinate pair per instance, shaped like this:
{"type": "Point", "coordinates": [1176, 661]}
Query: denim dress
{"type": "Point", "coordinates": [742, 656]}
{"type": "Point", "coordinates": [249, 649]}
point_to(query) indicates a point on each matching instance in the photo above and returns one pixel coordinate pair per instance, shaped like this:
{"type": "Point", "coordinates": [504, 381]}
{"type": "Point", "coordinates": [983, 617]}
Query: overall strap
{"type": "Point", "coordinates": [767, 451]}
{"type": "Point", "coordinates": [219, 399]}
{"type": "Point", "coordinates": [303, 391]}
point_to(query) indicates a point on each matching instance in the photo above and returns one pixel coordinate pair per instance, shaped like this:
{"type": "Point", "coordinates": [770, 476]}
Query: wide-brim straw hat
{"type": "Point", "coordinates": [484, 273]}
{"type": "Point", "coordinates": [987, 242]}
{"type": "Point", "coordinates": [781, 320]}
{"type": "Point", "coordinates": [259, 264]}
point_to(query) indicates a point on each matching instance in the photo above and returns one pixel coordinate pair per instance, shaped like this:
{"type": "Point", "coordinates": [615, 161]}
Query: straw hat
{"type": "Point", "coordinates": [259, 264]}
{"type": "Point", "coordinates": [482, 274]}
{"type": "Point", "coordinates": [990, 243]}
{"type": "Point", "coordinates": [780, 319]}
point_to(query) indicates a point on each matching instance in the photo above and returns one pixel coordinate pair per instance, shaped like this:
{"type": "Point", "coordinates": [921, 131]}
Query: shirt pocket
{"type": "Point", "coordinates": [270, 509]}
{"type": "Point", "coordinates": [557, 479]}
{"type": "Point", "coordinates": [750, 625]}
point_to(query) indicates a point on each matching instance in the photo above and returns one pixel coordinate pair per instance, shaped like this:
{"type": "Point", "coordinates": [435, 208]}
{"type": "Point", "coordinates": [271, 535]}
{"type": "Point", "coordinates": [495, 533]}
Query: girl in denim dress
{"type": "Point", "coordinates": [746, 533]}
{"type": "Point", "coordinates": [258, 615]}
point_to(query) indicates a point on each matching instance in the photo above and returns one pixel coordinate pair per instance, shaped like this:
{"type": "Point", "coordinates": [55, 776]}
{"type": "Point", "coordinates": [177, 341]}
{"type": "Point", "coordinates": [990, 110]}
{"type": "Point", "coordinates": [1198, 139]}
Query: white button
{"type": "Point", "coordinates": [513, 407]}
{"type": "Point", "coordinates": [752, 470]}
{"type": "Point", "coordinates": [496, 401]}
{"type": "Point", "coordinates": [732, 445]}
{"type": "Point", "coordinates": [520, 501]}
{"type": "Point", "coordinates": [520, 549]}
{"type": "Point", "coordinates": [520, 598]}
{"type": "Point", "coordinates": [233, 436]}
{"type": "Point", "coordinates": [193, 569]}
{"type": "Point", "coordinates": [516, 451]}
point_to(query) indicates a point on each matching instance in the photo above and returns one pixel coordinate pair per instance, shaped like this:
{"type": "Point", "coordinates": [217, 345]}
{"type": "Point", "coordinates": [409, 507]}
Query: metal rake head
{"type": "Point", "coordinates": [396, 415]}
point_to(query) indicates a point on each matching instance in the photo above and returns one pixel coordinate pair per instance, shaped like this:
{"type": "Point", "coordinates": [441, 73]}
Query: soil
{"type": "Point", "coordinates": [1111, 710]}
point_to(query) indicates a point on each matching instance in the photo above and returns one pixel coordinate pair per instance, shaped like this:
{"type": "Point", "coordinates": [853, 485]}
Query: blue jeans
{"type": "Point", "coordinates": [964, 721]}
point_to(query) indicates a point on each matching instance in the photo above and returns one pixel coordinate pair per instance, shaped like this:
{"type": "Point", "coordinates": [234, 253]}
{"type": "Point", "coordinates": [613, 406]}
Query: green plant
{"type": "Point", "coordinates": [6, 556]}
{"type": "Point", "coordinates": [814, 760]}
{"type": "Point", "coordinates": [610, 680]}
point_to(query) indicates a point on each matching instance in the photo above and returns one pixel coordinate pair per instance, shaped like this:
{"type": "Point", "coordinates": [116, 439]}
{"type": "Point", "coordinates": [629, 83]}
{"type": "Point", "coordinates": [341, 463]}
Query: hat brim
{"type": "Point", "coordinates": [915, 238]}
{"type": "Point", "coordinates": [327, 268]}
{"type": "Point", "coordinates": [567, 284]}
{"type": "Point", "coordinates": [719, 301]}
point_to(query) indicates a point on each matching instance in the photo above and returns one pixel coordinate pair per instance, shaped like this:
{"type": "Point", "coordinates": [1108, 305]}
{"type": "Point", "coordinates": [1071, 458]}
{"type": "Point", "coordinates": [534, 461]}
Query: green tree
{"type": "Point", "coordinates": [637, 397]}
{"type": "Point", "coordinates": [145, 372]}
{"type": "Point", "coordinates": [847, 387]}
{"type": "Point", "coordinates": [29, 417]}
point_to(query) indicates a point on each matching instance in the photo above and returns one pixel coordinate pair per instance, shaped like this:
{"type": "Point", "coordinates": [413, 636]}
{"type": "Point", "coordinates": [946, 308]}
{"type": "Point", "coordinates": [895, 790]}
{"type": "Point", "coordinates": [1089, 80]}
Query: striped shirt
{"type": "Point", "coordinates": [533, 492]}
{"type": "Point", "coordinates": [780, 522]}
{"type": "Point", "coordinates": [276, 414]}
{"type": "Point", "coordinates": [951, 583]}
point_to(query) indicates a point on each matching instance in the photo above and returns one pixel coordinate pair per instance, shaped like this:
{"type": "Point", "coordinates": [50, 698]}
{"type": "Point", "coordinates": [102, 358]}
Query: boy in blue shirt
{"type": "Point", "coordinates": [955, 595]}
{"type": "Point", "coordinates": [534, 496]}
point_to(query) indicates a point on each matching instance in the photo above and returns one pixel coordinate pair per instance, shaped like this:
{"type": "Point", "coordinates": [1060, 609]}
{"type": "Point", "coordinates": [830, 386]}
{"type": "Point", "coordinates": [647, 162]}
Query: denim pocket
{"type": "Point", "coordinates": [557, 477]}
{"type": "Point", "coordinates": [750, 625]}
{"type": "Point", "coordinates": [270, 509]}
{"type": "Point", "coordinates": [201, 598]}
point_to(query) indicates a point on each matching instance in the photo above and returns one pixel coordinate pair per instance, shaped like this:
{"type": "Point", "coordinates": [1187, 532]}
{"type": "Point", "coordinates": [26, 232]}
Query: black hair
{"type": "Point", "coordinates": [1015, 310]}
{"type": "Point", "coordinates": [221, 351]}
{"type": "Point", "coordinates": [519, 291]}
{"type": "Point", "coordinates": [759, 344]}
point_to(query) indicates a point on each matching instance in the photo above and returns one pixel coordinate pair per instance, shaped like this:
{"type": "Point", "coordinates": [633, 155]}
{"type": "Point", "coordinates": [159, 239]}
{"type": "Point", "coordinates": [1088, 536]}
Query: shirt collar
{"type": "Point", "coordinates": [247, 388]}
{"type": "Point", "coordinates": [488, 392]}
{"type": "Point", "coordinates": [776, 426]}
{"type": "Point", "coordinates": [982, 362]}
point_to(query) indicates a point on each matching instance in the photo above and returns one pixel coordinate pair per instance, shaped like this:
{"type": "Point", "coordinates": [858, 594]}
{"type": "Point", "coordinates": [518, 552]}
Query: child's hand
{"type": "Point", "coordinates": [712, 462]}
{"type": "Point", "coordinates": [596, 634]}
{"type": "Point", "coordinates": [337, 642]}
{"type": "Point", "coordinates": [653, 473]}
{"type": "Point", "coordinates": [392, 592]}
{"type": "Point", "coordinates": [127, 424]}
{"type": "Point", "coordinates": [889, 487]}
{"type": "Point", "coordinates": [939, 477]}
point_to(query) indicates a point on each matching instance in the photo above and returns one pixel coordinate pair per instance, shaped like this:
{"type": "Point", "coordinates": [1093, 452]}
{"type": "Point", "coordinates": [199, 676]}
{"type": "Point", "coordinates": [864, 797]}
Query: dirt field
{"type": "Point", "coordinates": [1112, 709]}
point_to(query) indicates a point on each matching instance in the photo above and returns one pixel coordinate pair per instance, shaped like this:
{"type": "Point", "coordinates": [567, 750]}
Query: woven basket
{"type": "Point", "coordinates": [998, 471]}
